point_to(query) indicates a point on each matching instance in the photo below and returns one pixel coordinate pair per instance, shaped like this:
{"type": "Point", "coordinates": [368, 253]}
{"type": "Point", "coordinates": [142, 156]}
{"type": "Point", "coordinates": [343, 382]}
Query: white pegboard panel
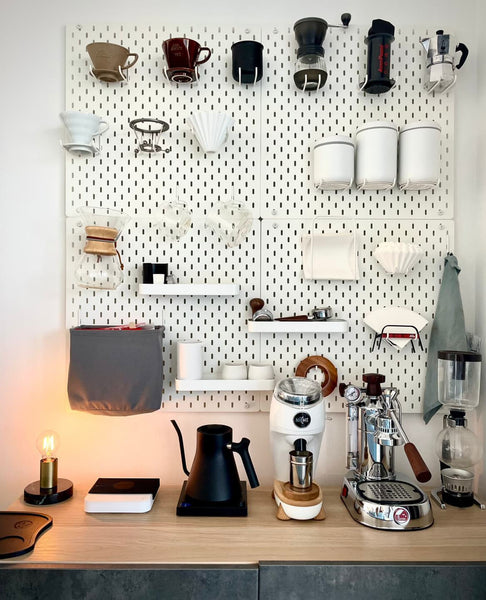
{"type": "Point", "coordinates": [139, 185]}
{"type": "Point", "coordinates": [218, 321]}
{"type": "Point", "coordinates": [294, 120]}
{"type": "Point", "coordinates": [286, 292]}
{"type": "Point", "coordinates": [266, 165]}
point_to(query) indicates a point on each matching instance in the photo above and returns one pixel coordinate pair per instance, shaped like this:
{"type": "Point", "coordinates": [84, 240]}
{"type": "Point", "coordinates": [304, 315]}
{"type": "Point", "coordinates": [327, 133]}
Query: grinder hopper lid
{"type": "Point", "coordinates": [298, 391]}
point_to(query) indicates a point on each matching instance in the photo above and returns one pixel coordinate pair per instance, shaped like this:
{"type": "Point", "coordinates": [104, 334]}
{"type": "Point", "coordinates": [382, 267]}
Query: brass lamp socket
{"type": "Point", "coordinates": [48, 473]}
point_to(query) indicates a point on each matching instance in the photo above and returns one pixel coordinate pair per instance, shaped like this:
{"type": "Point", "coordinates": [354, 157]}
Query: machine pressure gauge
{"type": "Point", "coordinates": [352, 394]}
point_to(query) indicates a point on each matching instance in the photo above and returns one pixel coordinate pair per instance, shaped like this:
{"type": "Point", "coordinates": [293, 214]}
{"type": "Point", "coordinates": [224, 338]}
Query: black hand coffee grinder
{"type": "Point", "coordinates": [310, 70]}
{"type": "Point", "coordinates": [457, 447]}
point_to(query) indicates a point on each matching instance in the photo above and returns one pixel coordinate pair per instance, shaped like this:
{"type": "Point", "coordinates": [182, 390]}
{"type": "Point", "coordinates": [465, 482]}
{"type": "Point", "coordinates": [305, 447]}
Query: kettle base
{"type": "Point", "coordinates": [188, 507]}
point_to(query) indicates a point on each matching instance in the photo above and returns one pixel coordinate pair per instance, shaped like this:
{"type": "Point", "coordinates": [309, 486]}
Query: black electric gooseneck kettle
{"type": "Point", "coordinates": [214, 476]}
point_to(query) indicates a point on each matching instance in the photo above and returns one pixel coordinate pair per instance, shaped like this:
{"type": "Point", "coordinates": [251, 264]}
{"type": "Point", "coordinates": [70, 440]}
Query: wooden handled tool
{"type": "Point", "coordinates": [256, 304]}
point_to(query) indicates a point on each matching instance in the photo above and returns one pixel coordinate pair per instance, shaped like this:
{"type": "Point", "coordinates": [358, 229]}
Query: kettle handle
{"type": "Point", "coordinates": [181, 446]}
{"type": "Point", "coordinates": [464, 50]}
{"type": "Point", "coordinates": [242, 449]}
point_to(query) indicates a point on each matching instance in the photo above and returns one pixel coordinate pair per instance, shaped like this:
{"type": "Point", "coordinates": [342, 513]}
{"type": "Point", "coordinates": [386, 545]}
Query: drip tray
{"type": "Point", "coordinates": [188, 507]}
{"type": "Point", "coordinates": [390, 492]}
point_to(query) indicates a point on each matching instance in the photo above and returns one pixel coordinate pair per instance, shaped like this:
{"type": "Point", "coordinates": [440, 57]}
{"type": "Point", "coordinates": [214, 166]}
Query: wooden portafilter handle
{"type": "Point", "coordinates": [256, 304]}
{"type": "Point", "coordinates": [419, 468]}
{"type": "Point", "coordinates": [417, 463]}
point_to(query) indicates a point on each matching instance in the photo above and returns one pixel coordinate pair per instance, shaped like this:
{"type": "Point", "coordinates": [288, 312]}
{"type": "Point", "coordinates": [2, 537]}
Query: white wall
{"type": "Point", "coordinates": [477, 232]}
{"type": "Point", "coordinates": [34, 340]}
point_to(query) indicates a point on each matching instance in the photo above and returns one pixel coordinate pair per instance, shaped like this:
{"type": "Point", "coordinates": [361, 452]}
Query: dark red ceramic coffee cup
{"type": "Point", "coordinates": [183, 53]}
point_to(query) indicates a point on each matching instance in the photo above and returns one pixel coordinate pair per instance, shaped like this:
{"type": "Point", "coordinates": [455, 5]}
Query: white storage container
{"type": "Point", "coordinates": [419, 156]}
{"type": "Point", "coordinates": [333, 163]}
{"type": "Point", "coordinates": [189, 359]}
{"type": "Point", "coordinates": [376, 155]}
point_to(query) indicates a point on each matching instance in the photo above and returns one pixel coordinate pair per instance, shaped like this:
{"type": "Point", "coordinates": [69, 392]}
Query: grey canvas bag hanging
{"type": "Point", "coordinates": [115, 372]}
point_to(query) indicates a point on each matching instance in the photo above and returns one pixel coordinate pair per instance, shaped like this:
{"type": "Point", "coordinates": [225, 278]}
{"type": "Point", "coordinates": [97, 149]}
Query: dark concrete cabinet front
{"type": "Point", "coordinates": [121, 583]}
{"type": "Point", "coordinates": [266, 581]}
{"type": "Point", "coordinates": [367, 581]}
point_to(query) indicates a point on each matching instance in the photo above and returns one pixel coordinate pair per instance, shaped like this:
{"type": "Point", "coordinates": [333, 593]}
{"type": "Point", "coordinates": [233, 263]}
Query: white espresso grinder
{"type": "Point", "coordinates": [297, 421]}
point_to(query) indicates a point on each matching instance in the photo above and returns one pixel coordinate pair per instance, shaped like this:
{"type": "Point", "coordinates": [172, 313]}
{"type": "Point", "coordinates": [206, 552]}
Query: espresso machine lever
{"type": "Point", "coordinates": [416, 461]}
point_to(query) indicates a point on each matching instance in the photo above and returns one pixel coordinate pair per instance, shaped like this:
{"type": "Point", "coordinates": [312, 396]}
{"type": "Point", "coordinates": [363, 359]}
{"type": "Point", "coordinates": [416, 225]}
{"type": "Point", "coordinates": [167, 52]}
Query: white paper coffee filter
{"type": "Point", "coordinates": [210, 128]}
{"type": "Point", "coordinates": [398, 257]}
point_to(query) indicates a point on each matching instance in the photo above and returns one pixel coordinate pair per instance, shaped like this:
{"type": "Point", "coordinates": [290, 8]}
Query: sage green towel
{"type": "Point", "coordinates": [448, 332]}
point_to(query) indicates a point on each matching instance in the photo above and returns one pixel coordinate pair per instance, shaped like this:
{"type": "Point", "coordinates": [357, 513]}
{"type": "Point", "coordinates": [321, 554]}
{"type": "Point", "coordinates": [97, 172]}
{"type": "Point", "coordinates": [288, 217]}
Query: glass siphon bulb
{"type": "Point", "coordinates": [458, 447]}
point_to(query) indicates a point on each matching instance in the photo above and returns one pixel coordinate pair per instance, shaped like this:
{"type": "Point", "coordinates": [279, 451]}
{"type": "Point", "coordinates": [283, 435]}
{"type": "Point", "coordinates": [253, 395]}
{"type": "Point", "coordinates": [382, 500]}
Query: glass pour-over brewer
{"type": "Point", "coordinates": [457, 447]}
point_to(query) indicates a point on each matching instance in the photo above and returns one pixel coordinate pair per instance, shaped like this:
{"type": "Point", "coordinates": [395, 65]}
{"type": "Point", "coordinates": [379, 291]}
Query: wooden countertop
{"type": "Point", "coordinates": [161, 538]}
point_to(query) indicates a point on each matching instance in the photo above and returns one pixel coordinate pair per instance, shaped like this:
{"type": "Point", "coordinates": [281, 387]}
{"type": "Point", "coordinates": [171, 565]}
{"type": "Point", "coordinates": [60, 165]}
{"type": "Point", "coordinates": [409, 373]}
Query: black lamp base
{"type": "Point", "coordinates": [33, 494]}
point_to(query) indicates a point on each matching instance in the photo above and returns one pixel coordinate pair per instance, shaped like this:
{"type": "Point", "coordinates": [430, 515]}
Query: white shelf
{"type": "Point", "coordinates": [330, 326]}
{"type": "Point", "coordinates": [224, 385]}
{"type": "Point", "coordinates": [189, 289]}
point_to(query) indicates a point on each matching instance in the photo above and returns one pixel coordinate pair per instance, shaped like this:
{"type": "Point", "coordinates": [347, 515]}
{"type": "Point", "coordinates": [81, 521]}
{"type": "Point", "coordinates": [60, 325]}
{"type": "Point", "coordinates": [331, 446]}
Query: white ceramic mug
{"type": "Point", "coordinates": [260, 371]}
{"type": "Point", "coordinates": [83, 127]}
{"type": "Point", "coordinates": [234, 370]}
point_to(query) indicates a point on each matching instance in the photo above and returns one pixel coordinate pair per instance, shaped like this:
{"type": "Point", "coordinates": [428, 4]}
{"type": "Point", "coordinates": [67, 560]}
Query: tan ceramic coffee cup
{"type": "Point", "coordinates": [108, 59]}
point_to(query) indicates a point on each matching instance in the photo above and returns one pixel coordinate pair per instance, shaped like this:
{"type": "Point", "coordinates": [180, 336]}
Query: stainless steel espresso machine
{"type": "Point", "coordinates": [372, 492]}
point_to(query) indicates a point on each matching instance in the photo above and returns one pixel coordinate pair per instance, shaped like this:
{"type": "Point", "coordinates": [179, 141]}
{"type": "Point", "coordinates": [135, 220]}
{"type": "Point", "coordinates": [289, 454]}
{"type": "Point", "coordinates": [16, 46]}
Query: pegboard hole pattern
{"type": "Point", "coordinates": [266, 165]}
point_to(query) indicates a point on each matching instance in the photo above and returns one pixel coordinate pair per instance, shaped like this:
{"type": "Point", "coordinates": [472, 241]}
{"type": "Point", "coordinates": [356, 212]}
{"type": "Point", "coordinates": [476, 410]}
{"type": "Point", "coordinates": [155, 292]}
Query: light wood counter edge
{"type": "Point", "coordinates": [159, 537]}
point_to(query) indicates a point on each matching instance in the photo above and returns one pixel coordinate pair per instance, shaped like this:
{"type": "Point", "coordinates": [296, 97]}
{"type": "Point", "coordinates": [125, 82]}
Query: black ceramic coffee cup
{"type": "Point", "coordinates": [247, 61]}
{"type": "Point", "coordinates": [160, 270]}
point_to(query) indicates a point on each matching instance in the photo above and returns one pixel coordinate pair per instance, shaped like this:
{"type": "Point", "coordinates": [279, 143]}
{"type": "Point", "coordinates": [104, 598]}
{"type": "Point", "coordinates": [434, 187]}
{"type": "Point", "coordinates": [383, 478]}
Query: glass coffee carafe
{"type": "Point", "coordinates": [100, 265]}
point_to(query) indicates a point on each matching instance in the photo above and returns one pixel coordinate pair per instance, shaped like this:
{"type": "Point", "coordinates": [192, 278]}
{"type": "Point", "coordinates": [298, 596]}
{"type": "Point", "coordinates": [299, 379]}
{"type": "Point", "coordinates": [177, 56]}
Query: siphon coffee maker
{"type": "Point", "coordinates": [457, 447]}
{"type": "Point", "coordinates": [297, 421]}
{"type": "Point", "coordinates": [372, 492]}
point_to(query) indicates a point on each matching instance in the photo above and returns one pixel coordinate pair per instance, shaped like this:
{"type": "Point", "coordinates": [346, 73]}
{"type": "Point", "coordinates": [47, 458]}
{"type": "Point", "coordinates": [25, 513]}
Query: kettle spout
{"type": "Point", "coordinates": [181, 446]}
{"type": "Point", "coordinates": [425, 43]}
